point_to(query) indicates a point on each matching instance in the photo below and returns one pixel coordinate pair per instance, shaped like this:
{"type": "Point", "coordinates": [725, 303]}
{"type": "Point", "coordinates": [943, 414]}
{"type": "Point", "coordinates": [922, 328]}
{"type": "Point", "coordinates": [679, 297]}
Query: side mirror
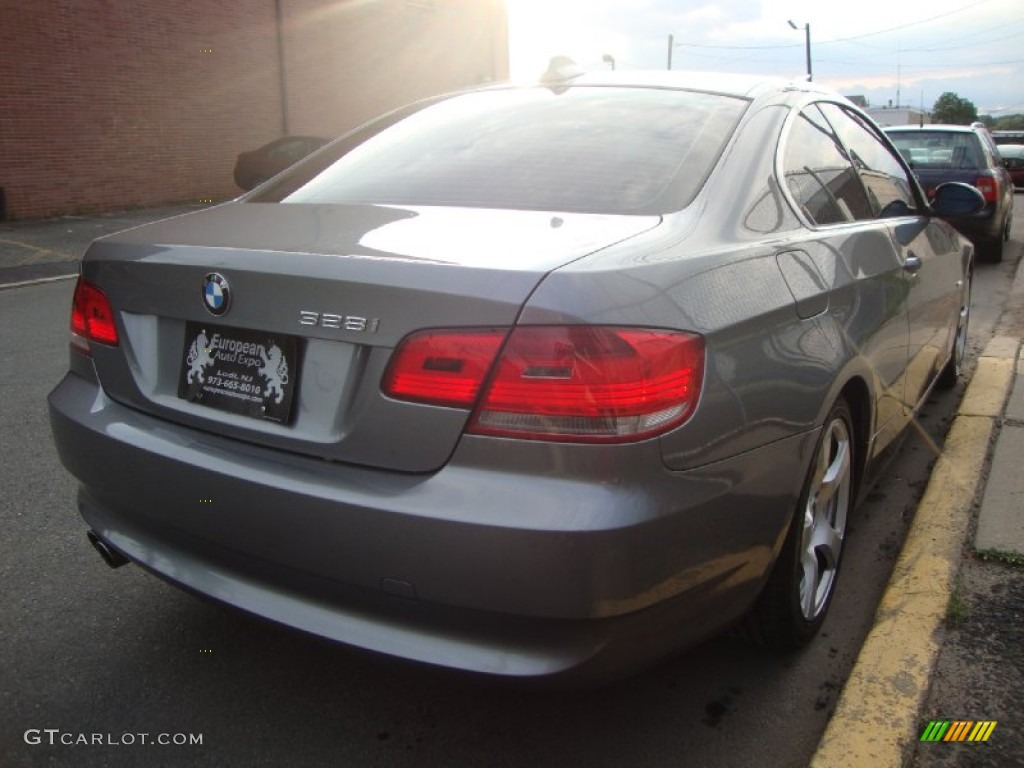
{"type": "Point", "coordinates": [955, 198]}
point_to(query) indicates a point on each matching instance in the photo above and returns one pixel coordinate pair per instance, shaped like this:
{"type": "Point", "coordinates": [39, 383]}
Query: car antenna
{"type": "Point", "coordinates": [560, 72]}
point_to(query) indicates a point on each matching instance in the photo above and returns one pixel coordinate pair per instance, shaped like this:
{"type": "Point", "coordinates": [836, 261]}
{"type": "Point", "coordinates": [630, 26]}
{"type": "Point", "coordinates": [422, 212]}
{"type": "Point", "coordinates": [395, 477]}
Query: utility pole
{"type": "Point", "coordinates": [671, 41]}
{"type": "Point", "coordinates": [807, 33]}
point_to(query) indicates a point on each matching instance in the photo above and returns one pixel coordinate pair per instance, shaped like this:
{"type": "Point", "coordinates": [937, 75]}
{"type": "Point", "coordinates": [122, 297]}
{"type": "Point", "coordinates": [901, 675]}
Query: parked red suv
{"type": "Point", "coordinates": [1013, 161]}
{"type": "Point", "coordinates": [941, 153]}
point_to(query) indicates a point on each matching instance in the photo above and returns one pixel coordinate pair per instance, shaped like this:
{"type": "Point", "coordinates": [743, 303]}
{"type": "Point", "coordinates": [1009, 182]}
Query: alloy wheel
{"type": "Point", "coordinates": [828, 504]}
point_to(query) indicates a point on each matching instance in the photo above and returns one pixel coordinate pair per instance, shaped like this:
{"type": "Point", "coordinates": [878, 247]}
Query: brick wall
{"type": "Point", "coordinates": [111, 104]}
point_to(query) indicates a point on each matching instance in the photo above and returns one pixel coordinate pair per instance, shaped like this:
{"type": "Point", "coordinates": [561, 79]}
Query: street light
{"type": "Point", "coordinates": [608, 59]}
{"type": "Point", "coordinates": [807, 31]}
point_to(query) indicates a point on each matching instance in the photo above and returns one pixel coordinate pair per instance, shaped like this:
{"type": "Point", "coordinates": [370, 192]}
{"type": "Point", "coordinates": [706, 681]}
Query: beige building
{"type": "Point", "coordinates": [898, 116]}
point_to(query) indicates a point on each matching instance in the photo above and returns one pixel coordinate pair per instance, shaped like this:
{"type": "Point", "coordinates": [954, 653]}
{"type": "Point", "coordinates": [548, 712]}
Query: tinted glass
{"type": "Point", "coordinates": [939, 150]}
{"type": "Point", "coordinates": [819, 175]}
{"type": "Point", "coordinates": [592, 149]}
{"type": "Point", "coordinates": [1008, 137]}
{"type": "Point", "coordinates": [887, 184]}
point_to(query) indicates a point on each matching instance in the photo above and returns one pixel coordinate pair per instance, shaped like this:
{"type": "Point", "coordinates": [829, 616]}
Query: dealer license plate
{"type": "Point", "coordinates": [252, 373]}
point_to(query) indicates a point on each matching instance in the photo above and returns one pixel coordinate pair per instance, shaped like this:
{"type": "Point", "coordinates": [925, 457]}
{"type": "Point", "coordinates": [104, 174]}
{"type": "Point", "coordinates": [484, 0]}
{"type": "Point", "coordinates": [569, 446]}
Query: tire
{"type": "Point", "coordinates": [795, 600]}
{"type": "Point", "coordinates": [991, 248]}
{"type": "Point", "coordinates": [950, 373]}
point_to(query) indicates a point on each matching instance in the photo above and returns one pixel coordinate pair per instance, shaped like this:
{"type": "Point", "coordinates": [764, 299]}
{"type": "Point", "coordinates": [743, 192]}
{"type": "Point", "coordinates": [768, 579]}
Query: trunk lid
{"type": "Point", "coordinates": [332, 289]}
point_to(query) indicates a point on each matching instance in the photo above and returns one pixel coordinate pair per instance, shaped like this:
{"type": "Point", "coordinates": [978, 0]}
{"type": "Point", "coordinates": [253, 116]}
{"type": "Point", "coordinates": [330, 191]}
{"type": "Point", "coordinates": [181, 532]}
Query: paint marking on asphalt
{"type": "Point", "coordinates": [37, 252]}
{"type": "Point", "coordinates": [37, 281]}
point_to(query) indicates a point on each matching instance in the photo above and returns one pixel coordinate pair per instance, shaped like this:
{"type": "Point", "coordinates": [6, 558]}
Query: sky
{"type": "Point", "coordinates": [906, 53]}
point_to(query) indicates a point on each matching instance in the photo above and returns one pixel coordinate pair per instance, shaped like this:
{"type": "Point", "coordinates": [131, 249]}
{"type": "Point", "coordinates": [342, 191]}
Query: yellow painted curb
{"type": "Point", "coordinates": [876, 718]}
{"type": "Point", "coordinates": [1002, 346]}
{"type": "Point", "coordinates": [991, 382]}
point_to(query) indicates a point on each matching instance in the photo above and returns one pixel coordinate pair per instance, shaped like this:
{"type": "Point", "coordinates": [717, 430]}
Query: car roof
{"type": "Point", "coordinates": [933, 127]}
{"type": "Point", "coordinates": [742, 85]}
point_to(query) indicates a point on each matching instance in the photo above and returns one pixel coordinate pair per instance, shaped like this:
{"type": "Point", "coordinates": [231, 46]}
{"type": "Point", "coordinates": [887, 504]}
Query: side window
{"type": "Point", "coordinates": [818, 173]}
{"type": "Point", "coordinates": [888, 188]}
{"type": "Point", "coordinates": [991, 150]}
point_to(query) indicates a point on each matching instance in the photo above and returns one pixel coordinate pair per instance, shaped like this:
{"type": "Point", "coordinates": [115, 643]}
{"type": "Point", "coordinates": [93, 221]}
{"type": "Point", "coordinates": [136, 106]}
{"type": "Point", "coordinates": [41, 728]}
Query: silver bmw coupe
{"type": "Point", "coordinates": [541, 381]}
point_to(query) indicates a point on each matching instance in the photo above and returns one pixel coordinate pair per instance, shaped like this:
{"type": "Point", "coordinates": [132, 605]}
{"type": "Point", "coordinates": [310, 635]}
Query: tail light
{"type": "Point", "coordinates": [92, 317]}
{"type": "Point", "coordinates": [443, 367]}
{"type": "Point", "coordinates": [989, 188]}
{"type": "Point", "coordinates": [565, 383]}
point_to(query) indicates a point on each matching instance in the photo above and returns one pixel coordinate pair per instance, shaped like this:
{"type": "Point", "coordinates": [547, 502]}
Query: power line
{"type": "Point", "coordinates": [960, 47]}
{"type": "Point", "coordinates": [945, 45]}
{"type": "Point", "coordinates": [886, 66]}
{"type": "Point", "coordinates": [904, 26]}
{"type": "Point", "coordinates": [963, 65]}
{"type": "Point", "coordinates": [742, 47]}
{"type": "Point", "coordinates": [838, 39]}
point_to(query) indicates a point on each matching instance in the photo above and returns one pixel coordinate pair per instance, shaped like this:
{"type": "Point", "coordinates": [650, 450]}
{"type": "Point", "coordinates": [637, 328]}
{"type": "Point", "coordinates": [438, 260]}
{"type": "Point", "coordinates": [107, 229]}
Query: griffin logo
{"type": "Point", "coordinates": [199, 356]}
{"type": "Point", "coordinates": [275, 371]}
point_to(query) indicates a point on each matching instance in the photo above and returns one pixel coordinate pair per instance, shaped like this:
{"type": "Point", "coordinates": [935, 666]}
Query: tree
{"type": "Point", "coordinates": [1010, 123]}
{"type": "Point", "coordinates": [954, 110]}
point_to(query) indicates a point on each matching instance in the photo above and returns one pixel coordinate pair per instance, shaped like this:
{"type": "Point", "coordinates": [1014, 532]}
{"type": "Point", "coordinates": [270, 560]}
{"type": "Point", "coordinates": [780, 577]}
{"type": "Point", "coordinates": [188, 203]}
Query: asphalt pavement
{"type": "Point", "coordinates": [46, 249]}
{"type": "Point", "coordinates": [946, 645]}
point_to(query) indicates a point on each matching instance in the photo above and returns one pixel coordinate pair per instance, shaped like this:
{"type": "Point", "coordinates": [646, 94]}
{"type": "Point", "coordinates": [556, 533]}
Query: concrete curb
{"type": "Point", "coordinates": [876, 719]}
{"type": "Point", "coordinates": [1000, 526]}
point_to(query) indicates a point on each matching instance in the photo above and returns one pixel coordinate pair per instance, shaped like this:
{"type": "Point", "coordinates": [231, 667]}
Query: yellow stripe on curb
{"type": "Point", "coordinates": [990, 384]}
{"type": "Point", "coordinates": [876, 719]}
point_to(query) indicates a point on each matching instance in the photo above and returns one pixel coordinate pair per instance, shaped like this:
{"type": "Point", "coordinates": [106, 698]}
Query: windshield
{"type": "Point", "coordinates": [587, 149]}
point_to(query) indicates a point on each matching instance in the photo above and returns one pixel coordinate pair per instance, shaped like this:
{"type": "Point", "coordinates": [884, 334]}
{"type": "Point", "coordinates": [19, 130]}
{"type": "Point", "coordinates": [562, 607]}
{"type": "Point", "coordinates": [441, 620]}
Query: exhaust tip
{"type": "Point", "coordinates": [110, 556]}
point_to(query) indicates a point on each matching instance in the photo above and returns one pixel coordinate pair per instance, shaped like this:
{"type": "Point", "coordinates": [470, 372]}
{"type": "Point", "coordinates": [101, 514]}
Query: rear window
{"type": "Point", "coordinates": [939, 150]}
{"type": "Point", "coordinates": [1008, 137]}
{"type": "Point", "coordinates": [584, 149]}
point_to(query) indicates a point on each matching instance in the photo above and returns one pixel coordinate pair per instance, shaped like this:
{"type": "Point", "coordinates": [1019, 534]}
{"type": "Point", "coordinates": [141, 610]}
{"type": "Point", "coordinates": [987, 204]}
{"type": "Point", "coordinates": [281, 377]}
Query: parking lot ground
{"type": "Point", "coordinates": [51, 248]}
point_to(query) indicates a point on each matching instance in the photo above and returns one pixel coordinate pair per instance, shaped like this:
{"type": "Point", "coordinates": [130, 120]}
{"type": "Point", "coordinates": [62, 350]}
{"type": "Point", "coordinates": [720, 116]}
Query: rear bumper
{"type": "Point", "coordinates": [567, 566]}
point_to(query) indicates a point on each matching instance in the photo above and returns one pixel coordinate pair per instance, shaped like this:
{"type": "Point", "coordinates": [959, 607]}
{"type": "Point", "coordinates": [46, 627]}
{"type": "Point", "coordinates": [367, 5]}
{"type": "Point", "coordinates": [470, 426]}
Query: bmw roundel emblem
{"type": "Point", "coordinates": [216, 293]}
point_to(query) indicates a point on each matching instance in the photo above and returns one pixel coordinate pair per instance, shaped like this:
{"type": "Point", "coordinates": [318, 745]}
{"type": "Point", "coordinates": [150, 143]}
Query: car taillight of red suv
{"type": "Point", "coordinates": [988, 185]}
